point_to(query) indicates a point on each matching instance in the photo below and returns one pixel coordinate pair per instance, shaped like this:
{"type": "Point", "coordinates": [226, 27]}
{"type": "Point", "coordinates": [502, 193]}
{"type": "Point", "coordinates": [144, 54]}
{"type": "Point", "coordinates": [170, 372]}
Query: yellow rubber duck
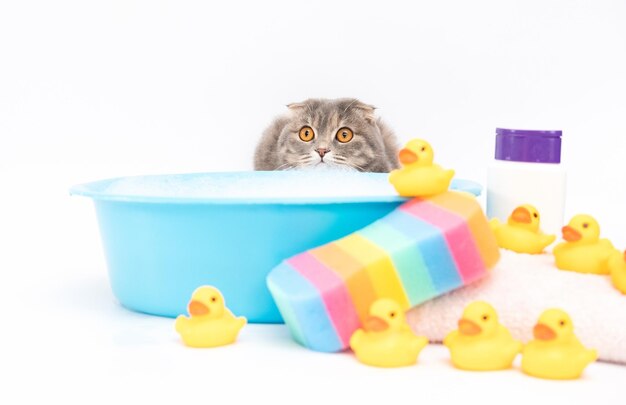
{"type": "Point", "coordinates": [419, 176]}
{"type": "Point", "coordinates": [555, 353]}
{"type": "Point", "coordinates": [521, 233]}
{"type": "Point", "coordinates": [617, 265]}
{"type": "Point", "coordinates": [481, 343]}
{"type": "Point", "coordinates": [210, 323]}
{"type": "Point", "coordinates": [386, 340]}
{"type": "Point", "coordinates": [583, 251]}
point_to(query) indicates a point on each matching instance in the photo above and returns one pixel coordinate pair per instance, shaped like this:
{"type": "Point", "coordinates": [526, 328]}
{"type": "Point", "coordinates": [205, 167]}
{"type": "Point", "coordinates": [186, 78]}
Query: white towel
{"type": "Point", "coordinates": [520, 289]}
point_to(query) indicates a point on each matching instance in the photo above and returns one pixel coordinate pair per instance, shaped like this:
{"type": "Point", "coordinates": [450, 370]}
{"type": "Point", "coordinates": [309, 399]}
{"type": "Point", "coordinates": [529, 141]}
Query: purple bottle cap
{"type": "Point", "coordinates": [521, 145]}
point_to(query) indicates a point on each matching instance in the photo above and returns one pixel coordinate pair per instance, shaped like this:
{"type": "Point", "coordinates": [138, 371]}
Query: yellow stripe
{"type": "Point", "coordinates": [351, 272]}
{"type": "Point", "coordinates": [378, 266]}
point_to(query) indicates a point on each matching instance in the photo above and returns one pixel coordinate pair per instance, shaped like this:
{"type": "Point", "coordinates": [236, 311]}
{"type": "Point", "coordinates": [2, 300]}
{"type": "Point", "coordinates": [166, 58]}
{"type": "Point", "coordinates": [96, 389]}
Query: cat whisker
{"type": "Point", "coordinates": [285, 166]}
{"type": "Point", "coordinates": [355, 166]}
{"type": "Point", "coordinates": [302, 161]}
{"type": "Point", "coordinates": [344, 161]}
{"type": "Point", "coordinates": [349, 105]}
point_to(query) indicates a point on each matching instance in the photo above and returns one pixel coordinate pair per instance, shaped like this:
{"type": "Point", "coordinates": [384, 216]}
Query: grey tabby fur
{"type": "Point", "coordinates": [372, 149]}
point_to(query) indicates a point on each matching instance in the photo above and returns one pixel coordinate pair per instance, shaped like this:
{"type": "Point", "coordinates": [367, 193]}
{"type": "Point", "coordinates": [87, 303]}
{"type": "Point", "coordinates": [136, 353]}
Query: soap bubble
{"type": "Point", "coordinates": [279, 185]}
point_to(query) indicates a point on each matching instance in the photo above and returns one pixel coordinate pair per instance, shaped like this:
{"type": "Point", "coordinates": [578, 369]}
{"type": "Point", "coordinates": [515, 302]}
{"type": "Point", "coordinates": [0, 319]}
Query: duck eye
{"type": "Point", "coordinates": [585, 225]}
{"type": "Point", "coordinates": [307, 134]}
{"type": "Point", "coordinates": [535, 215]}
{"type": "Point", "coordinates": [562, 323]}
{"type": "Point", "coordinates": [392, 314]}
{"type": "Point", "coordinates": [213, 299]}
{"type": "Point", "coordinates": [344, 135]}
{"type": "Point", "coordinates": [423, 148]}
{"type": "Point", "coordinates": [485, 317]}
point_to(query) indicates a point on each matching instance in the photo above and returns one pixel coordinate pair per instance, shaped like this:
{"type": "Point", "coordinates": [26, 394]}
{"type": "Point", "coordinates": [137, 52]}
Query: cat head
{"type": "Point", "coordinates": [330, 133]}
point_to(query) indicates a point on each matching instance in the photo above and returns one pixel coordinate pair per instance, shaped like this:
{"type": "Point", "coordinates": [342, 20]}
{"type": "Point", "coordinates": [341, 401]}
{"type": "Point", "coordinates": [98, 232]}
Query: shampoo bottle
{"type": "Point", "coordinates": [527, 170]}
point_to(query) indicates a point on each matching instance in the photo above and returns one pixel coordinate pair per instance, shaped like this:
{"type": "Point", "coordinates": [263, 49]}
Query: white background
{"type": "Point", "coordinates": [91, 90]}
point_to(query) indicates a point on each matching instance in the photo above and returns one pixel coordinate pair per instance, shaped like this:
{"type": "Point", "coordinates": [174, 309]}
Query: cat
{"type": "Point", "coordinates": [322, 133]}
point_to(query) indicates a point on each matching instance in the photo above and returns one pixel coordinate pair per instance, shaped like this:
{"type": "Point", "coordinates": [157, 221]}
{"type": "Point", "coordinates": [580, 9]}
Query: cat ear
{"type": "Point", "coordinates": [368, 110]}
{"type": "Point", "coordinates": [296, 106]}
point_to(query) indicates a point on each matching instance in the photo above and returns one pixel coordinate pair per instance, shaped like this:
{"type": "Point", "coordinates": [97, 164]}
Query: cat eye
{"type": "Point", "coordinates": [307, 134]}
{"type": "Point", "coordinates": [344, 135]}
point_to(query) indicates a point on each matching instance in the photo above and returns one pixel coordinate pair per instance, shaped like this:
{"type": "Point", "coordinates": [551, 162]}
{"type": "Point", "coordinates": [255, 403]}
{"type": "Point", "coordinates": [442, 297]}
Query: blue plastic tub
{"type": "Point", "coordinates": [162, 244]}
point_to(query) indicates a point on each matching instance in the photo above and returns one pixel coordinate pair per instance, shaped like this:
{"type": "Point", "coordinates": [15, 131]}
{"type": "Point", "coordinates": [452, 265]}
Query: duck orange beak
{"type": "Point", "coordinates": [468, 328]}
{"type": "Point", "coordinates": [407, 157]}
{"type": "Point", "coordinates": [521, 214]}
{"type": "Point", "coordinates": [543, 332]}
{"type": "Point", "coordinates": [196, 308]}
{"type": "Point", "coordinates": [570, 234]}
{"type": "Point", "coordinates": [375, 324]}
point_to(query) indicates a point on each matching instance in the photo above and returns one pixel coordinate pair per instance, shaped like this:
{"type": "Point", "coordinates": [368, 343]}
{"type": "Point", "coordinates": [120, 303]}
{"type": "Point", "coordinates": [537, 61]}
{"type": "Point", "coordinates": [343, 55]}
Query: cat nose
{"type": "Point", "coordinates": [322, 151]}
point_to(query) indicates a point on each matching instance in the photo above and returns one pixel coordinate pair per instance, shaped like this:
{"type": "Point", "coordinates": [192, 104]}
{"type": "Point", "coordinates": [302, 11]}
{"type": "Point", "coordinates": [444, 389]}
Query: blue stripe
{"type": "Point", "coordinates": [433, 248]}
{"type": "Point", "coordinates": [290, 289]}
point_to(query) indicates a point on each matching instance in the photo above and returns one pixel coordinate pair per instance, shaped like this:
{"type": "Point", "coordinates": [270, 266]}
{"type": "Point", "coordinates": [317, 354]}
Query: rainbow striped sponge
{"type": "Point", "coordinates": [424, 248]}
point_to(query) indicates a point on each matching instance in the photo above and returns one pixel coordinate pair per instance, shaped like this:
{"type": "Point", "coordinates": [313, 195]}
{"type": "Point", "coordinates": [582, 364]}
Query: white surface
{"type": "Point", "coordinates": [520, 288]}
{"type": "Point", "coordinates": [92, 90]}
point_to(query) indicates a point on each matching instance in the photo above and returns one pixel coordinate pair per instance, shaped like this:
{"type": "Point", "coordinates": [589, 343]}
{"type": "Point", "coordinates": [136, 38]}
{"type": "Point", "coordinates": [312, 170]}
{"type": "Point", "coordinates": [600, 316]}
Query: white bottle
{"type": "Point", "coordinates": [527, 170]}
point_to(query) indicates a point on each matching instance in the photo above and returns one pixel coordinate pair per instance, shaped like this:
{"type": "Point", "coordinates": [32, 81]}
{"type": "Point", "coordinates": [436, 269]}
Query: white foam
{"type": "Point", "coordinates": [256, 185]}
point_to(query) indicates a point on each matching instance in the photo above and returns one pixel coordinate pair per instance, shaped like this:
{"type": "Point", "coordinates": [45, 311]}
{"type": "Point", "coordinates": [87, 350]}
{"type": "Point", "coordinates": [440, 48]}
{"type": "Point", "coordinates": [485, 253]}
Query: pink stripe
{"type": "Point", "coordinates": [333, 292]}
{"type": "Point", "coordinates": [457, 233]}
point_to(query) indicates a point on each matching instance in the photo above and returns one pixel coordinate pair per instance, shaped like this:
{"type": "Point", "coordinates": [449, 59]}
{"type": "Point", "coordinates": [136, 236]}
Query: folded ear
{"type": "Point", "coordinates": [296, 106]}
{"type": "Point", "coordinates": [368, 110]}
